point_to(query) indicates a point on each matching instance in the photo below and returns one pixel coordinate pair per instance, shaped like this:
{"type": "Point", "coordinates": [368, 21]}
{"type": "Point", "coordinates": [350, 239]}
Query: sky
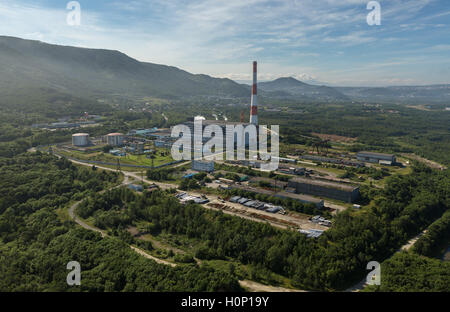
{"type": "Point", "coordinates": [319, 41]}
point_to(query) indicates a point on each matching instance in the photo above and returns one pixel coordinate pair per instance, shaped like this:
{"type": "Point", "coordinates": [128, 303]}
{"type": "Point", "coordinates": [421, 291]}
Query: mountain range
{"type": "Point", "coordinates": [79, 73]}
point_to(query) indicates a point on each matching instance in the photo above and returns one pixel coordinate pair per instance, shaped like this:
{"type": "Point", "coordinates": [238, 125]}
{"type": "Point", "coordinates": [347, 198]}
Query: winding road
{"type": "Point", "coordinates": [83, 224]}
{"type": "Point", "coordinates": [405, 247]}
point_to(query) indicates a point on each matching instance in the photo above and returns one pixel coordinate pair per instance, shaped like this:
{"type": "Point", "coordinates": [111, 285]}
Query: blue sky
{"type": "Point", "coordinates": [313, 40]}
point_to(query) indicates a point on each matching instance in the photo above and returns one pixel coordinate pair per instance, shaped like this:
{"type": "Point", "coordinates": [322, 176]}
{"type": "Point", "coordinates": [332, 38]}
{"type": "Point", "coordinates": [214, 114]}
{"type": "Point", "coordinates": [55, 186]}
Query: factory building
{"type": "Point", "coordinates": [377, 158]}
{"type": "Point", "coordinates": [224, 123]}
{"type": "Point", "coordinates": [115, 139]}
{"type": "Point", "coordinates": [305, 199]}
{"type": "Point", "coordinates": [299, 197]}
{"type": "Point", "coordinates": [339, 191]}
{"type": "Point", "coordinates": [203, 166]}
{"type": "Point", "coordinates": [80, 139]}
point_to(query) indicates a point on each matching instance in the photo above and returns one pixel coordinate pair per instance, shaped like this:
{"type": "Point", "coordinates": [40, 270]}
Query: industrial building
{"type": "Point", "coordinates": [143, 132]}
{"type": "Point", "coordinates": [203, 166]}
{"type": "Point", "coordinates": [312, 233]}
{"type": "Point", "coordinates": [339, 191]}
{"type": "Point", "coordinates": [299, 197]}
{"type": "Point", "coordinates": [319, 203]}
{"type": "Point", "coordinates": [256, 204]}
{"type": "Point", "coordinates": [224, 123]}
{"type": "Point", "coordinates": [292, 170]}
{"type": "Point", "coordinates": [136, 147]}
{"type": "Point", "coordinates": [377, 158]}
{"type": "Point", "coordinates": [164, 143]}
{"type": "Point", "coordinates": [115, 139]}
{"type": "Point", "coordinates": [337, 161]}
{"type": "Point", "coordinates": [186, 198]}
{"type": "Point", "coordinates": [80, 139]}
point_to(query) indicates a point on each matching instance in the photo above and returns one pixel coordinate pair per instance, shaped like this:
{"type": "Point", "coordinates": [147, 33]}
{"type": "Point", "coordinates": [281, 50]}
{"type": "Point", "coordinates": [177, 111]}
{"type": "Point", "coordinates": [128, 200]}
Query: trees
{"type": "Point", "coordinates": [36, 244]}
{"type": "Point", "coordinates": [189, 184]}
{"type": "Point", "coordinates": [410, 272]}
{"type": "Point", "coordinates": [435, 238]}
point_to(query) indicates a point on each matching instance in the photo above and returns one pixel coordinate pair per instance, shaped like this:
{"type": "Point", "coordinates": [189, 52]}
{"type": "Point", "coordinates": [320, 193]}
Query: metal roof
{"type": "Point", "coordinates": [374, 154]}
{"type": "Point", "coordinates": [327, 184]}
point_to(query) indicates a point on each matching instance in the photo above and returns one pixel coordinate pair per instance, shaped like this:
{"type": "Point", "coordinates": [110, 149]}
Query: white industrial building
{"type": "Point", "coordinates": [80, 139]}
{"type": "Point", "coordinates": [115, 139]}
{"type": "Point", "coordinates": [378, 158]}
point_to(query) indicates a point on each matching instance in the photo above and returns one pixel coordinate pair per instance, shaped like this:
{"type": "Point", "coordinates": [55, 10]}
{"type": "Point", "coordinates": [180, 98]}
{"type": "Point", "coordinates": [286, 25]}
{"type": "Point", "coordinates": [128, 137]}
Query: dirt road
{"type": "Point", "coordinates": [257, 287]}
{"type": "Point", "coordinates": [146, 255]}
{"type": "Point", "coordinates": [83, 224]}
{"type": "Point", "coordinates": [362, 284]}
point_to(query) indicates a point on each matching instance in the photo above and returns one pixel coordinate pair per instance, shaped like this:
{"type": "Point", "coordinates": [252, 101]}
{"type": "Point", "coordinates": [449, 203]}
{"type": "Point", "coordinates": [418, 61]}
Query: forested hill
{"type": "Point", "coordinates": [289, 87]}
{"type": "Point", "coordinates": [80, 72]}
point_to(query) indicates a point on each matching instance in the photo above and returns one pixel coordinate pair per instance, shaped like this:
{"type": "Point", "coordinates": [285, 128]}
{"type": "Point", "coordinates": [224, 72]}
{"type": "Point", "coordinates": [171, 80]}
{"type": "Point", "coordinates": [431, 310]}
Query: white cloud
{"type": "Point", "coordinates": [221, 37]}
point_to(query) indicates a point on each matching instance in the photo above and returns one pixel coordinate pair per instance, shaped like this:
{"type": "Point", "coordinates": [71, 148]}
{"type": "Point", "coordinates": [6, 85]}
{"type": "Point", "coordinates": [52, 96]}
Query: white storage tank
{"type": "Point", "coordinates": [115, 139]}
{"type": "Point", "coordinates": [80, 139]}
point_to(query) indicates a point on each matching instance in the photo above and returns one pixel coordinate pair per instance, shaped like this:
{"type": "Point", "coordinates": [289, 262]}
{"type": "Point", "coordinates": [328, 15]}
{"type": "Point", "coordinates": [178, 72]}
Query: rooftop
{"type": "Point", "coordinates": [375, 154]}
{"type": "Point", "coordinates": [301, 197]}
{"type": "Point", "coordinates": [328, 184]}
{"type": "Point", "coordinates": [221, 123]}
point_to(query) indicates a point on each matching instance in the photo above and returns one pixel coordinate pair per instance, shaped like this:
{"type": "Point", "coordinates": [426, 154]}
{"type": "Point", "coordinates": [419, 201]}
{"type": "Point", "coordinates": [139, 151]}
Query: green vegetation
{"type": "Point", "coordinates": [36, 245]}
{"type": "Point", "coordinates": [422, 132]}
{"type": "Point", "coordinates": [333, 261]}
{"type": "Point", "coordinates": [287, 203]}
{"type": "Point", "coordinates": [436, 239]}
{"type": "Point", "coordinates": [409, 272]}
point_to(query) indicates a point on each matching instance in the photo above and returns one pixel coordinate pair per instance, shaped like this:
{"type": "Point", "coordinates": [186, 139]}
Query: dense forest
{"type": "Point", "coordinates": [334, 261]}
{"type": "Point", "coordinates": [385, 128]}
{"type": "Point", "coordinates": [436, 238]}
{"type": "Point", "coordinates": [37, 240]}
{"type": "Point", "coordinates": [409, 272]}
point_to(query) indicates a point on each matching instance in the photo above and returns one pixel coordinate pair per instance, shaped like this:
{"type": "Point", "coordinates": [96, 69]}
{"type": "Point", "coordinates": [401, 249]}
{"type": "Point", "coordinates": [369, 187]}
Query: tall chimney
{"type": "Point", "coordinates": [254, 105]}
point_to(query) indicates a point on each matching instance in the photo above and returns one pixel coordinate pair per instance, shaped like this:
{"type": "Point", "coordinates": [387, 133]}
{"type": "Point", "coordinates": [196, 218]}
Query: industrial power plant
{"type": "Point", "coordinates": [300, 184]}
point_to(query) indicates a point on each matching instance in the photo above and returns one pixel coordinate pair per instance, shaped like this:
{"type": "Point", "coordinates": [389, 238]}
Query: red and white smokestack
{"type": "Point", "coordinates": [254, 105]}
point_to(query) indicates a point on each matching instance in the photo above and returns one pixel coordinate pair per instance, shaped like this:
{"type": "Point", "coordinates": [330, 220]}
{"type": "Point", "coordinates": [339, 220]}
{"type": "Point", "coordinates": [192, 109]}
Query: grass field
{"type": "Point", "coordinates": [140, 160]}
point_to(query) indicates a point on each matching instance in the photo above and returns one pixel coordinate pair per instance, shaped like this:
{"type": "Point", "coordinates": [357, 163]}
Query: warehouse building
{"type": "Point", "coordinates": [203, 166]}
{"type": "Point", "coordinates": [377, 158]}
{"type": "Point", "coordinates": [80, 139]}
{"type": "Point", "coordinates": [339, 191]}
{"type": "Point", "coordinates": [299, 197]}
{"type": "Point", "coordinates": [223, 126]}
{"type": "Point", "coordinates": [305, 199]}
